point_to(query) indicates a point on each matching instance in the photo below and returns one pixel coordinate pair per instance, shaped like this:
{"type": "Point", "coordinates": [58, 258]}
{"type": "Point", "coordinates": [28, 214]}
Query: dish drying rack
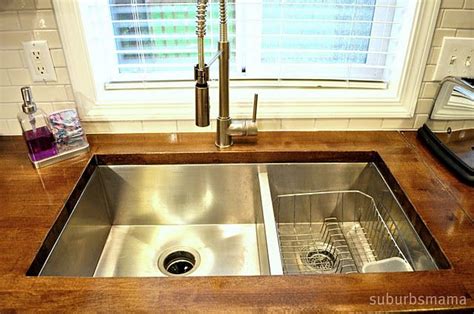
{"type": "Point", "coordinates": [334, 232]}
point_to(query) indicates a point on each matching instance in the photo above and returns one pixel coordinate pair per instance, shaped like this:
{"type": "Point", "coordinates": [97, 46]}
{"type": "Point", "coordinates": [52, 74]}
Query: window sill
{"type": "Point", "coordinates": [281, 110]}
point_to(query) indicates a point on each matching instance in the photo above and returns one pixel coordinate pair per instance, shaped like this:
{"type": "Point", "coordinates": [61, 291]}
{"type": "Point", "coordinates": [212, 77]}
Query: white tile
{"type": "Point", "coordinates": [20, 77]}
{"type": "Point", "coordinates": [465, 33]}
{"type": "Point", "coordinates": [429, 71]}
{"type": "Point", "coordinates": [440, 34]}
{"type": "Point", "coordinates": [46, 106]}
{"type": "Point", "coordinates": [190, 126]}
{"type": "Point", "coordinates": [126, 127]}
{"type": "Point", "coordinates": [96, 127]}
{"type": "Point", "coordinates": [452, 4]}
{"type": "Point", "coordinates": [469, 124]}
{"type": "Point", "coordinates": [40, 94]}
{"type": "Point", "coordinates": [63, 105]}
{"type": "Point", "coordinates": [9, 110]}
{"type": "Point", "coordinates": [429, 90]}
{"type": "Point", "coordinates": [365, 124]}
{"type": "Point", "coordinates": [51, 36]}
{"type": "Point", "coordinates": [69, 92]}
{"type": "Point", "coordinates": [49, 93]}
{"type": "Point", "coordinates": [420, 119]}
{"type": "Point", "coordinates": [43, 4]}
{"type": "Point", "coordinates": [469, 4]}
{"type": "Point", "coordinates": [297, 124]}
{"type": "Point", "coordinates": [13, 40]}
{"type": "Point", "coordinates": [332, 124]}
{"type": "Point", "coordinates": [10, 59]}
{"type": "Point", "coordinates": [6, 5]}
{"type": "Point", "coordinates": [269, 124]}
{"type": "Point", "coordinates": [23, 58]}
{"type": "Point", "coordinates": [424, 106]}
{"type": "Point", "coordinates": [439, 18]}
{"type": "Point", "coordinates": [434, 55]}
{"type": "Point", "coordinates": [42, 19]}
{"type": "Point", "coordinates": [58, 57]}
{"type": "Point", "coordinates": [159, 126]}
{"type": "Point", "coordinates": [458, 19]}
{"type": "Point", "coordinates": [437, 126]}
{"type": "Point", "coordinates": [4, 79]}
{"type": "Point", "coordinates": [9, 21]}
{"type": "Point", "coordinates": [455, 125]}
{"type": "Point", "coordinates": [4, 130]}
{"type": "Point", "coordinates": [62, 76]}
{"type": "Point", "coordinates": [14, 126]}
{"type": "Point", "coordinates": [397, 124]}
{"type": "Point", "coordinates": [9, 94]}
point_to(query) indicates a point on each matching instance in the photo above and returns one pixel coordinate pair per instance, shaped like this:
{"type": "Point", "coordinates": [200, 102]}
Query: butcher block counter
{"type": "Point", "coordinates": [31, 200]}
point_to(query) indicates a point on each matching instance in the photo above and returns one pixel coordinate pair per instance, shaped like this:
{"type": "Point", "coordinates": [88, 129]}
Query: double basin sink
{"type": "Point", "coordinates": [156, 215]}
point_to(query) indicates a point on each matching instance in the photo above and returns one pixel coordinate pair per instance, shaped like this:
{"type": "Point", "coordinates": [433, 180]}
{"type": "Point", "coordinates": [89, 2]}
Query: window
{"type": "Point", "coordinates": [270, 39]}
{"type": "Point", "coordinates": [362, 52]}
{"type": "Point", "coordinates": [157, 38]}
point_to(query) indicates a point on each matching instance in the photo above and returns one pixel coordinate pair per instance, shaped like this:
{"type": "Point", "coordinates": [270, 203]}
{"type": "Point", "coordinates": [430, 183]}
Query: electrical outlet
{"type": "Point", "coordinates": [39, 61]}
{"type": "Point", "coordinates": [456, 58]}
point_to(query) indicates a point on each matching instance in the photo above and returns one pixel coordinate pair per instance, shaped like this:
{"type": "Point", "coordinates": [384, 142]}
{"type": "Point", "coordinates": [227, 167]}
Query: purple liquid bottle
{"type": "Point", "coordinates": [36, 129]}
{"type": "Point", "coordinates": [40, 143]}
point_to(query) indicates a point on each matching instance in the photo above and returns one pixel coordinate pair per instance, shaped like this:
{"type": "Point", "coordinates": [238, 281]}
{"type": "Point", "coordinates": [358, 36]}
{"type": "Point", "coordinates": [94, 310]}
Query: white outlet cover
{"type": "Point", "coordinates": [39, 61]}
{"type": "Point", "coordinates": [455, 58]}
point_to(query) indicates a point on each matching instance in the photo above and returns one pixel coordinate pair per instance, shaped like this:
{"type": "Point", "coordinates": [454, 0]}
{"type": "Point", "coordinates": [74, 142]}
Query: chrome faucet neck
{"type": "Point", "coordinates": [226, 128]}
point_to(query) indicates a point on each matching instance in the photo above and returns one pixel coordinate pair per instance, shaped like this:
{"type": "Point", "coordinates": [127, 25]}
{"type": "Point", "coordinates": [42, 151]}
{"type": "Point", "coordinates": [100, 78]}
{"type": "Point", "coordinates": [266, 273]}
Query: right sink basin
{"type": "Point", "coordinates": [338, 217]}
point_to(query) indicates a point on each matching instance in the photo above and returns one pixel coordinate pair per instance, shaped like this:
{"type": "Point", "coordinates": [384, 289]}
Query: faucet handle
{"type": "Point", "coordinates": [255, 103]}
{"type": "Point", "coordinates": [245, 127]}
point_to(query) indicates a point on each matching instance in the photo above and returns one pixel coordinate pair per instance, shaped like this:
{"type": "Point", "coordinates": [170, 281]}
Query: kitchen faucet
{"type": "Point", "coordinates": [226, 127]}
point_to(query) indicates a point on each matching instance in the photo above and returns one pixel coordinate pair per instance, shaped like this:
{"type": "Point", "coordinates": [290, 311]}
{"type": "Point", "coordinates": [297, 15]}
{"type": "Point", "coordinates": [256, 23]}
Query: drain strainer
{"type": "Point", "coordinates": [178, 261]}
{"type": "Point", "coordinates": [318, 257]}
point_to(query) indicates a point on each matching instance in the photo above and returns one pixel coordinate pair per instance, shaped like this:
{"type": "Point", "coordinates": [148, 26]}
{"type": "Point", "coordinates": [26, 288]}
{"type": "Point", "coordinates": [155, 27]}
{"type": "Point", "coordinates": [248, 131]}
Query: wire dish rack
{"type": "Point", "coordinates": [334, 232]}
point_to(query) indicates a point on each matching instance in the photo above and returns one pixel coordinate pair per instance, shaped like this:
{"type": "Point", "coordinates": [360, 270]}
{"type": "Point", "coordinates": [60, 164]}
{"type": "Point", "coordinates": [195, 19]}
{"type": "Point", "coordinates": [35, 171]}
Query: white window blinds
{"type": "Point", "coordinates": [270, 39]}
{"type": "Point", "coordinates": [159, 36]}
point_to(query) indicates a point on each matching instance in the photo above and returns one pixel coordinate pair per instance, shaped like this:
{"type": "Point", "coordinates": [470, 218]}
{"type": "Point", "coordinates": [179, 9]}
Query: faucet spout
{"type": "Point", "coordinates": [226, 128]}
{"type": "Point", "coordinates": [201, 71]}
{"type": "Point", "coordinates": [201, 12]}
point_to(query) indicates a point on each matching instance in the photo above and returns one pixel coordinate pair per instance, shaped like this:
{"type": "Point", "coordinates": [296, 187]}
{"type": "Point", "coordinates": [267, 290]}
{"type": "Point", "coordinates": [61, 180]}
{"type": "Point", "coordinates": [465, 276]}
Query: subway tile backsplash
{"type": "Point", "coordinates": [23, 20]}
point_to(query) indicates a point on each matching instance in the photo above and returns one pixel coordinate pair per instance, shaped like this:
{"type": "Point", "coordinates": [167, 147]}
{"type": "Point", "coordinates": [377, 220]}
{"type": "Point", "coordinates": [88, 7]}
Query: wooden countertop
{"type": "Point", "coordinates": [30, 201]}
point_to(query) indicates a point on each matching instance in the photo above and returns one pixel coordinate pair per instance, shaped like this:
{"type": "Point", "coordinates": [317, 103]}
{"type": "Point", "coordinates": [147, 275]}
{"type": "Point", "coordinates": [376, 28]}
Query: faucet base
{"type": "Point", "coordinates": [223, 140]}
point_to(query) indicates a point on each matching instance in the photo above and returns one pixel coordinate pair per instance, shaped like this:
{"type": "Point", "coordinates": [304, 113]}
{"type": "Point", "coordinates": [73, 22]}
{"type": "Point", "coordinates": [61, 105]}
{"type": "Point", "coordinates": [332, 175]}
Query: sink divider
{"type": "Point", "coordinates": [273, 247]}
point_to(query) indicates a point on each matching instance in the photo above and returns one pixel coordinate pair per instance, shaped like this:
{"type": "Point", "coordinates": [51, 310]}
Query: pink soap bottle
{"type": "Point", "coordinates": [36, 128]}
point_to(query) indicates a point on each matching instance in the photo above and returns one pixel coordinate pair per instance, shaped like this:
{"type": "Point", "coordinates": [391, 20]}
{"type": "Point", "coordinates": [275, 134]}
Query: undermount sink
{"type": "Point", "coordinates": [131, 218]}
{"type": "Point", "coordinates": [134, 217]}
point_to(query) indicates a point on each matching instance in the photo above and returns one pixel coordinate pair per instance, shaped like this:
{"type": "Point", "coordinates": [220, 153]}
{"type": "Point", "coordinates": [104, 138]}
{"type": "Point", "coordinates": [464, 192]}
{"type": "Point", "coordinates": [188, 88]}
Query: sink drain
{"type": "Point", "coordinates": [319, 257]}
{"type": "Point", "coordinates": [178, 261]}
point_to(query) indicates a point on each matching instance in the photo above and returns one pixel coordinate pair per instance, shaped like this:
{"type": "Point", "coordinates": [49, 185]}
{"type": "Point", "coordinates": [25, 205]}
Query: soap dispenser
{"type": "Point", "coordinates": [36, 128]}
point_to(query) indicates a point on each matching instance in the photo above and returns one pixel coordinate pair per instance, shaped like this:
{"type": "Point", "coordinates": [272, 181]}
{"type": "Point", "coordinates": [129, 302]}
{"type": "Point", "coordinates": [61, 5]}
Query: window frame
{"type": "Point", "coordinates": [293, 99]}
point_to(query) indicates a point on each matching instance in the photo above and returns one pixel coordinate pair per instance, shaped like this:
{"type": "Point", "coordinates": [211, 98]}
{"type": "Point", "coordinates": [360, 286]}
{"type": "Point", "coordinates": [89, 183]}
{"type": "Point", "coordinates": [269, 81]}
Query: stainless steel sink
{"type": "Point", "coordinates": [337, 217]}
{"type": "Point", "coordinates": [130, 218]}
{"type": "Point", "coordinates": [140, 219]}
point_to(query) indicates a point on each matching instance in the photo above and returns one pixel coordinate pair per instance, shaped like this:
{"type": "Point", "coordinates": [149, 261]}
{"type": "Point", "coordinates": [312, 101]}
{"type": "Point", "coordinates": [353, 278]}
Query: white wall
{"type": "Point", "coordinates": [23, 20]}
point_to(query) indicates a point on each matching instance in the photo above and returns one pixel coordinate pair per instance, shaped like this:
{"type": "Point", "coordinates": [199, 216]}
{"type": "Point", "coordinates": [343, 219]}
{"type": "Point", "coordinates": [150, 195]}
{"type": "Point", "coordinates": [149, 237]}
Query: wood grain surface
{"type": "Point", "coordinates": [31, 200]}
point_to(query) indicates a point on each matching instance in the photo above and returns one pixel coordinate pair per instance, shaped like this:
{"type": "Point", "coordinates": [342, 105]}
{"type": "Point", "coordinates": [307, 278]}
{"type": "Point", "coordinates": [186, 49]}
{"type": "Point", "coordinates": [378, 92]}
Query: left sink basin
{"type": "Point", "coordinates": [161, 220]}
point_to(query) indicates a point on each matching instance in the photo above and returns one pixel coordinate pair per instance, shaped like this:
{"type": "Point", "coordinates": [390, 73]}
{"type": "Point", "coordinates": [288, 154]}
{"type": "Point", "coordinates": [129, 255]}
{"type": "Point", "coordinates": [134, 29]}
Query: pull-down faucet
{"type": "Point", "coordinates": [226, 127]}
